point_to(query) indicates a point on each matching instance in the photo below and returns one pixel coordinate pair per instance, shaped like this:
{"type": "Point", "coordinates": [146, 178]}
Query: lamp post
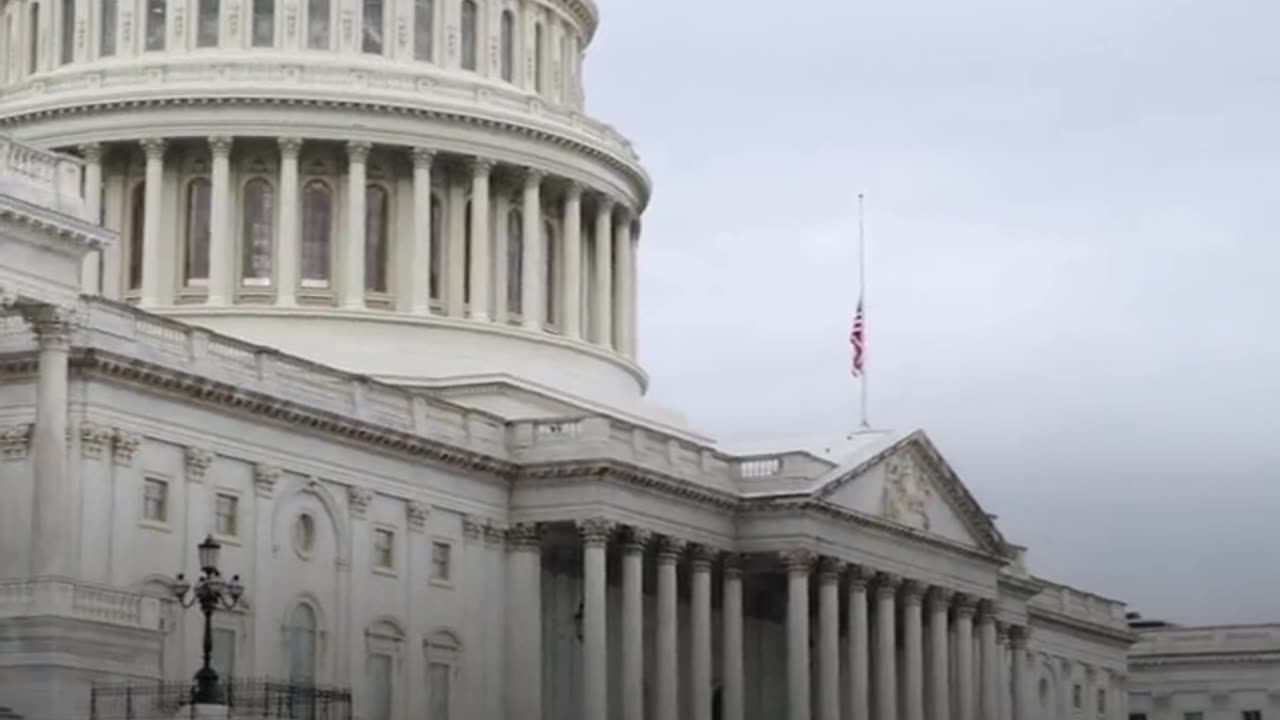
{"type": "Point", "coordinates": [210, 592]}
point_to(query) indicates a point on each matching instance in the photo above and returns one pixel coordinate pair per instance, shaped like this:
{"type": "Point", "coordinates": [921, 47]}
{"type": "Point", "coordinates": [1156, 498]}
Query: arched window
{"type": "Point", "coordinates": [376, 216]}
{"type": "Point", "coordinates": [371, 27]}
{"type": "Point", "coordinates": [34, 59]}
{"type": "Point", "coordinates": [470, 32]}
{"type": "Point", "coordinates": [137, 221]}
{"type": "Point", "coordinates": [437, 248]}
{"type": "Point", "coordinates": [258, 238]}
{"type": "Point", "coordinates": [549, 238]}
{"type": "Point", "coordinates": [264, 23]}
{"type": "Point", "coordinates": [515, 257]}
{"type": "Point", "coordinates": [107, 28]}
{"type": "Point", "coordinates": [68, 40]}
{"type": "Point", "coordinates": [317, 24]}
{"type": "Point", "coordinates": [156, 10]}
{"type": "Point", "coordinates": [207, 23]}
{"type": "Point", "coordinates": [197, 240]}
{"type": "Point", "coordinates": [302, 644]}
{"type": "Point", "coordinates": [466, 253]}
{"type": "Point", "coordinates": [539, 53]}
{"type": "Point", "coordinates": [317, 233]}
{"type": "Point", "coordinates": [444, 656]}
{"type": "Point", "coordinates": [424, 23]}
{"type": "Point", "coordinates": [508, 45]}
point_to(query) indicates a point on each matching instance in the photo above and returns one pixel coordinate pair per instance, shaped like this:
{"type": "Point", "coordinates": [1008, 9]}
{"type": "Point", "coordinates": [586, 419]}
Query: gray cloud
{"type": "Point", "coordinates": [1072, 232]}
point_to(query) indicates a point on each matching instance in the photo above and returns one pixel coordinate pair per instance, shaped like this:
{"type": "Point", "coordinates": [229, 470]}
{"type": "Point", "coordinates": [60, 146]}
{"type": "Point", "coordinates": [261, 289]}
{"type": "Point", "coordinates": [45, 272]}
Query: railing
{"type": "Point", "coordinates": [1082, 605]}
{"type": "Point", "coordinates": [42, 178]}
{"type": "Point", "coordinates": [24, 598]}
{"type": "Point", "coordinates": [245, 698]}
{"type": "Point", "coordinates": [1203, 640]}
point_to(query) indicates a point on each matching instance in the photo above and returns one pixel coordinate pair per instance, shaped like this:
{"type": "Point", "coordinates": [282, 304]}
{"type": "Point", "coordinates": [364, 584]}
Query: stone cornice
{"type": "Point", "coordinates": [1123, 637]}
{"type": "Point", "coordinates": [72, 233]}
{"type": "Point", "coordinates": [1137, 663]}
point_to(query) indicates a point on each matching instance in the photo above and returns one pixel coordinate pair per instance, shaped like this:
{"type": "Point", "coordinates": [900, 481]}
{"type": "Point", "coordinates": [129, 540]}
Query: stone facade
{"type": "Point", "coordinates": [1227, 672]}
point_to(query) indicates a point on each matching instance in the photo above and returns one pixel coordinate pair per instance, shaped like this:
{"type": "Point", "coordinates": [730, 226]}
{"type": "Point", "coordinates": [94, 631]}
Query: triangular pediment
{"type": "Point", "coordinates": [908, 483]}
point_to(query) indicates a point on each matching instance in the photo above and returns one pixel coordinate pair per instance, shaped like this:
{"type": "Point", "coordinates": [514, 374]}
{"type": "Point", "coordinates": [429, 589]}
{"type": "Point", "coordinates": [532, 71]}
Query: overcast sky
{"type": "Point", "coordinates": [1072, 212]}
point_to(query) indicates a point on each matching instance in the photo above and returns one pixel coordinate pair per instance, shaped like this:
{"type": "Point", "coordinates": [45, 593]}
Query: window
{"type": "Point", "coordinates": [198, 214]}
{"type": "Point", "coordinates": [438, 677]}
{"type": "Point", "coordinates": [470, 30]}
{"type": "Point", "coordinates": [318, 24]}
{"type": "Point", "coordinates": [441, 562]}
{"type": "Point", "coordinates": [317, 233]}
{"type": "Point", "coordinates": [304, 535]}
{"type": "Point", "coordinates": [371, 28]}
{"type": "Point", "coordinates": [1102, 701]}
{"type": "Point", "coordinates": [1193, 716]}
{"type": "Point", "coordinates": [107, 28]}
{"type": "Point", "coordinates": [1137, 716]}
{"type": "Point", "coordinates": [424, 22]}
{"type": "Point", "coordinates": [302, 644]}
{"type": "Point", "coordinates": [376, 211]}
{"type": "Point", "coordinates": [223, 657]}
{"type": "Point", "coordinates": [156, 10]}
{"type": "Point", "coordinates": [539, 51]}
{"type": "Point", "coordinates": [549, 237]}
{"type": "Point", "coordinates": [259, 244]}
{"type": "Point", "coordinates": [466, 253]}
{"type": "Point", "coordinates": [68, 41]}
{"type": "Point", "coordinates": [1077, 696]}
{"type": "Point", "coordinates": [515, 259]}
{"type": "Point", "coordinates": [384, 548]}
{"type": "Point", "coordinates": [207, 23]}
{"type": "Point", "coordinates": [155, 500]}
{"type": "Point", "coordinates": [137, 222]}
{"type": "Point", "coordinates": [508, 45]}
{"type": "Point", "coordinates": [437, 249]}
{"type": "Point", "coordinates": [1251, 715]}
{"type": "Point", "coordinates": [33, 62]}
{"type": "Point", "coordinates": [227, 515]}
{"type": "Point", "coordinates": [379, 687]}
{"type": "Point", "coordinates": [264, 23]}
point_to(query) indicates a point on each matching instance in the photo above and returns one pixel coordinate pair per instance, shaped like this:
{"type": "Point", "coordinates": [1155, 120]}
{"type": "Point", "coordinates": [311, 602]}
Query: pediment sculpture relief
{"type": "Point", "coordinates": [906, 494]}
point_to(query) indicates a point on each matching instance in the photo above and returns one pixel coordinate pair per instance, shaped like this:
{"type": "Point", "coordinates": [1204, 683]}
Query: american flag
{"type": "Point", "coordinates": [856, 340]}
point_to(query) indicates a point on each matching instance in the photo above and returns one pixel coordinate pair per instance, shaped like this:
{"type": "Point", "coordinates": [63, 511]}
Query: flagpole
{"type": "Point", "coordinates": [862, 302]}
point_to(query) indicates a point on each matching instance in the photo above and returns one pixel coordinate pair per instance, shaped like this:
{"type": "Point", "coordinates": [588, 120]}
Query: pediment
{"type": "Point", "coordinates": [909, 484]}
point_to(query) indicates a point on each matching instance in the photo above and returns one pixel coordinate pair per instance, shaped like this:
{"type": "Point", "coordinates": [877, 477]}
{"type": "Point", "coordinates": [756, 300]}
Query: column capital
{"type": "Point", "coordinates": [939, 598]}
{"type": "Point", "coordinates": [1002, 632]}
{"type": "Point", "coordinates": [798, 562]}
{"type": "Point", "coordinates": [53, 325]}
{"type": "Point", "coordinates": [670, 549]}
{"type": "Point", "coordinates": [860, 576]}
{"type": "Point", "coordinates": [966, 606]}
{"type": "Point", "coordinates": [702, 556]}
{"type": "Point", "coordinates": [887, 584]}
{"type": "Point", "coordinates": [986, 610]}
{"type": "Point", "coordinates": [1018, 636]}
{"type": "Point", "coordinates": [423, 158]}
{"type": "Point", "coordinates": [481, 167]}
{"type": "Point", "coordinates": [732, 565]}
{"type": "Point", "coordinates": [153, 148]}
{"type": "Point", "coordinates": [290, 146]}
{"type": "Point", "coordinates": [605, 204]}
{"type": "Point", "coordinates": [912, 592]}
{"type": "Point", "coordinates": [197, 461]}
{"type": "Point", "coordinates": [526, 536]}
{"type": "Point", "coordinates": [635, 540]}
{"type": "Point", "coordinates": [416, 511]}
{"type": "Point", "coordinates": [91, 152]}
{"type": "Point", "coordinates": [596, 531]}
{"type": "Point", "coordinates": [265, 478]}
{"type": "Point", "coordinates": [533, 177]}
{"type": "Point", "coordinates": [573, 190]}
{"type": "Point", "coordinates": [829, 569]}
{"type": "Point", "coordinates": [358, 150]}
{"type": "Point", "coordinates": [220, 145]}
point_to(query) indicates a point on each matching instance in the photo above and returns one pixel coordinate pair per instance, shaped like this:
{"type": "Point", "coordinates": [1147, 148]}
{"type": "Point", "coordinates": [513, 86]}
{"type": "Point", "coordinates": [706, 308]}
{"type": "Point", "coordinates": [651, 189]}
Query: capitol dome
{"type": "Point", "coordinates": [312, 175]}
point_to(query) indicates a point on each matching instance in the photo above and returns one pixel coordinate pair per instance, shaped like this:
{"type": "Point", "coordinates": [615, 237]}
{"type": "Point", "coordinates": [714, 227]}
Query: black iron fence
{"type": "Point", "coordinates": [244, 698]}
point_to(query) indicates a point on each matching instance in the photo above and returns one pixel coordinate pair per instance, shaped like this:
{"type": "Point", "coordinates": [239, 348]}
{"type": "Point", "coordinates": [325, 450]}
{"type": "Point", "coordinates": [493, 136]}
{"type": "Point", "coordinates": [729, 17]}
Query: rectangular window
{"type": "Point", "coordinates": [1137, 716]}
{"type": "Point", "coordinates": [438, 691]}
{"type": "Point", "coordinates": [264, 23]}
{"type": "Point", "coordinates": [379, 687]}
{"type": "Point", "coordinates": [318, 24]}
{"type": "Point", "coordinates": [33, 62]}
{"type": "Point", "coordinates": [384, 546]}
{"type": "Point", "coordinates": [371, 27]}
{"type": "Point", "coordinates": [227, 520]}
{"type": "Point", "coordinates": [1193, 716]}
{"type": "Point", "coordinates": [155, 32]}
{"type": "Point", "coordinates": [1077, 696]}
{"type": "Point", "coordinates": [440, 561]}
{"type": "Point", "coordinates": [1251, 715]}
{"type": "Point", "coordinates": [107, 28]}
{"type": "Point", "coordinates": [1102, 701]}
{"type": "Point", "coordinates": [155, 500]}
{"type": "Point", "coordinates": [223, 657]}
{"type": "Point", "coordinates": [423, 29]}
{"type": "Point", "coordinates": [68, 41]}
{"type": "Point", "coordinates": [207, 23]}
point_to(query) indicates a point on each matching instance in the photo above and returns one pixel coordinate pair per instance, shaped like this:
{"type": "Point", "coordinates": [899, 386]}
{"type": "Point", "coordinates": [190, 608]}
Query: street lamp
{"type": "Point", "coordinates": [211, 592]}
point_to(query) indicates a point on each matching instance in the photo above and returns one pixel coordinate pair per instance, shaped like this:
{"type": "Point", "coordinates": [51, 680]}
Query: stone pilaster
{"type": "Point", "coordinates": [50, 517]}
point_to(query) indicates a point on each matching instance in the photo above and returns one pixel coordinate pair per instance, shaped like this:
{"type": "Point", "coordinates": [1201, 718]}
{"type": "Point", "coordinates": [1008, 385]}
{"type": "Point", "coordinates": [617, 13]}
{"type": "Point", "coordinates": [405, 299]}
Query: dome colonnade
{"type": "Point", "coordinates": [223, 222]}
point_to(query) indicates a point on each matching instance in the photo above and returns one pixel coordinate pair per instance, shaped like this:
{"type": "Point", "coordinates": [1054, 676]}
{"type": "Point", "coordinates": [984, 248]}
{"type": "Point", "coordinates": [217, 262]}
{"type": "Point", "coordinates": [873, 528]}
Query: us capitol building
{"type": "Point", "coordinates": [351, 288]}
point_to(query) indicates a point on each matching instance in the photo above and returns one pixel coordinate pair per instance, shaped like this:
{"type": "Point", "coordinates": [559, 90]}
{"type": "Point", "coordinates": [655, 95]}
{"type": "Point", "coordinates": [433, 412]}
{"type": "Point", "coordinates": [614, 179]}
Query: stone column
{"type": "Point", "coordinates": [665, 644]}
{"type": "Point", "coordinates": [481, 240]}
{"type": "Point", "coordinates": [524, 628]}
{"type": "Point", "coordinates": [987, 707]}
{"type": "Point", "coordinates": [1017, 670]}
{"type": "Point", "coordinates": [290, 237]}
{"type": "Point", "coordinates": [1002, 685]}
{"type": "Point", "coordinates": [913, 646]}
{"type": "Point", "coordinates": [571, 259]}
{"type": "Point", "coordinates": [91, 266]}
{"type": "Point", "coordinates": [632, 622]}
{"type": "Point", "coordinates": [602, 304]}
{"type": "Point", "coordinates": [732, 704]}
{"type": "Point", "coordinates": [50, 537]}
{"type": "Point", "coordinates": [152, 294]}
{"type": "Point", "coordinates": [700, 630]}
{"type": "Point", "coordinates": [798, 563]}
{"type": "Point", "coordinates": [964, 610]}
{"type": "Point", "coordinates": [939, 668]}
{"type": "Point", "coordinates": [532, 303]}
{"type": "Point", "coordinates": [624, 293]}
{"type": "Point", "coordinates": [886, 665]}
{"type": "Point", "coordinates": [829, 638]}
{"type": "Point", "coordinates": [595, 675]}
{"type": "Point", "coordinates": [353, 258]}
{"type": "Point", "coordinates": [222, 248]}
{"type": "Point", "coordinates": [420, 269]}
{"type": "Point", "coordinates": [859, 644]}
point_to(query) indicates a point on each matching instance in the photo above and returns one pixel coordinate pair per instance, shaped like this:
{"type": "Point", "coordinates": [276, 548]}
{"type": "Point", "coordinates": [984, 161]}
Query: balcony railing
{"type": "Point", "coordinates": [245, 698]}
